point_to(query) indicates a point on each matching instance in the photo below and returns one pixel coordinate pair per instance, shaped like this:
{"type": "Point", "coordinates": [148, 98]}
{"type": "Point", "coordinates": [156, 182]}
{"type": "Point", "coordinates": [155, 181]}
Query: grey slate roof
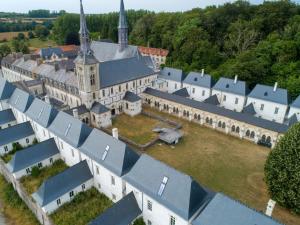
{"type": "Point", "coordinates": [15, 133]}
{"type": "Point", "coordinates": [213, 100]}
{"type": "Point", "coordinates": [30, 83]}
{"type": "Point", "coordinates": [196, 79]}
{"type": "Point", "coordinates": [224, 211]}
{"type": "Point", "coordinates": [296, 103]}
{"type": "Point", "coordinates": [32, 155]}
{"type": "Point", "coordinates": [228, 85]}
{"type": "Point", "coordinates": [41, 112]}
{"type": "Point", "coordinates": [122, 70]}
{"type": "Point", "coordinates": [123, 212]}
{"type": "Point", "coordinates": [292, 120]}
{"type": "Point", "coordinates": [20, 100]}
{"type": "Point", "coordinates": [182, 194]}
{"type": "Point", "coordinates": [182, 92]}
{"type": "Point", "coordinates": [246, 118]}
{"type": "Point", "coordinates": [6, 89]}
{"type": "Point", "coordinates": [120, 158]}
{"type": "Point", "coordinates": [98, 108]}
{"type": "Point", "coordinates": [6, 116]}
{"type": "Point", "coordinates": [70, 129]}
{"type": "Point", "coordinates": [249, 109]}
{"type": "Point", "coordinates": [81, 110]}
{"type": "Point", "coordinates": [48, 52]}
{"type": "Point", "coordinates": [266, 93]}
{"type": "Point", "coordinates": [56, 186]}
{"type": "Point", "coordinates": [131, 97]}
{"type": "Point", "coordinates": [173, 74]}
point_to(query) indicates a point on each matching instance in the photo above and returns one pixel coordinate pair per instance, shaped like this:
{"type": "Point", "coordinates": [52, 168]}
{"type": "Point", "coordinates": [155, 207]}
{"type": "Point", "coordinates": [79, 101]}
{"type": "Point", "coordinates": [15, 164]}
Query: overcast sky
{"type": "Point", "coordinates": [101, 6]}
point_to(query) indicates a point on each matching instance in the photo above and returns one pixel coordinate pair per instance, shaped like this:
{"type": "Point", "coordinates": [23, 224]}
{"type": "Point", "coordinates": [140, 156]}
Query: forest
{"type": "Point", "coordinates": [259, 43]}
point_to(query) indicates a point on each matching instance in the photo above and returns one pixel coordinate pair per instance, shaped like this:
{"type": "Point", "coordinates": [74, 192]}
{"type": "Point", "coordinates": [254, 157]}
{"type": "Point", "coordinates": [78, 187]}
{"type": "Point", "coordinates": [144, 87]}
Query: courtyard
{"type": "Point", "coordinates": [218, 161]}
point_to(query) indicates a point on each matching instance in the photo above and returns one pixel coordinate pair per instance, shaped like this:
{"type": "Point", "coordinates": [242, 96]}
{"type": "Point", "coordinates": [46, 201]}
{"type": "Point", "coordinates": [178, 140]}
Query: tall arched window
{"type": "Point", "coordinates": [92, 79]}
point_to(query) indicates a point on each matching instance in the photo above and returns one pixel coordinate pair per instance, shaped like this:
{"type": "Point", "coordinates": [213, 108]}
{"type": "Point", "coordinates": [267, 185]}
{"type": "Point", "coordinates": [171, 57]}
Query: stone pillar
{"type": "Point", "coordinates": [257, 137]}
{"type": "Point", "coordinates": [242, 133]}
{"type": "Point", "coordinates": [227, 129]}
{"type": "Point", "coordinates": [202, 120]}
{"type": "Point", "coordinates": [214, 124]}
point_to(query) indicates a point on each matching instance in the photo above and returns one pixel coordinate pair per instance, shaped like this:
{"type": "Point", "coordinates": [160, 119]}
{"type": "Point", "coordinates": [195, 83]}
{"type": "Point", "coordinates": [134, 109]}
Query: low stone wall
{"type": "Point", "coordinates": [42, 217]}
{"type": "Point", "coordinates": [162, 119]}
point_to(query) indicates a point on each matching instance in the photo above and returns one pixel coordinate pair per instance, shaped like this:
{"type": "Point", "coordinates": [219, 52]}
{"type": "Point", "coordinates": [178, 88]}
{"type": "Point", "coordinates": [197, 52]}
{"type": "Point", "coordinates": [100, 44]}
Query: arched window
{"type": "Point", "coordinates": [248, 133]}
{"type": "Point", "coordinates": [263, 138]}
{"type": "Point", "coordinates": [268, 141]}
{"type": "Point", "coordinates": [92, 79]}
{"type": "Point", "coordinates": [224, 125]}
{"type": "Point", "coordinates": [220, 124]}
{"type": "Point", "coordinates": [199, 117]}
{"type": "Point", "coordinates": [195, 116]}
{"type": "Point", "coordinates": [252, 135]}
{"type": "Point", "coordinates": [237, 130]}
{"type": "Point", "coordinates": [211, 121]}
{"type": "Point", "coordinates": [94, 118]}
{"type": "Point", "coordinates": [233, 128]}
{"type": "Point", "coordinates": [207, 120]}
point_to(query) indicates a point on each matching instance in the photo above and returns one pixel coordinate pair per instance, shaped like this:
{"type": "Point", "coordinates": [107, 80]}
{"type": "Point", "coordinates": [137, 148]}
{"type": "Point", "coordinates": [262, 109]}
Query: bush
{"type": "Point", "coordinates": [282, 170]}
{"type": "Point", "coordinates": [139, 221]}
{"type": "Point", "coordinates": [35, 171]}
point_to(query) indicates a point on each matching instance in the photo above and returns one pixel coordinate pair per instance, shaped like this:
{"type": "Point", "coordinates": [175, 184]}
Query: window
{"type": "Point", "coordinates": [5, 148]}
{"type": "Point", "coordinates": [113, 182]}
{"type": "Point", "coordinates": [40, 165]}
{"type": "Point", "coordinates": [175, 86]}
{"type": "Point", "coordinates": [61, 145]}
{"type": "Point", "coordinates": [133, 84]}
{"type": "Point", "coordinates": [114, 197]}
{"type": "Point", "coordinates": [99, 185]}
{"type": "Point", "coordinates": [172, 220]}
{"type": "Point", "coordinates": [193, 90]}
{"type": "Point", "coordinates": [126, 86]}
{"type": "Point", "coordinates": [58, 201]}
{"type": "Point", "coordinates": [51, 160]}
{"type": "Point", "coordinates": [236, 101]}
{"type": "Point", "coordinates": [276, 110]}
{"type": "Point", "coordinates": [72, 153]}
{"type": "Point", "coordinates": [97, 170]}
{"type": "Point", "coordinates": [83, 187]}
{"type": "Point", "coordinates": [149, 222]}
{"type": "Point", "coordinates": [92, 79]}
{"type": "Point", "coordinates": [94, 96]}
{"type": "Point", "coordinates": [111, 90]}
{"type": "Point", "coordinates": [203, 93]}
{"type": "Point", "coordinates": [262, 106]}
{"type": "Point", "coordinates": [71, 194]}
{"type": "Point", "coordinates": [28, 170]}
{"type": "Point", "coordinates": [27, 140]}
{"type": "Point", "coordinates": [149, 205]}
{"type": "Point", "coordinates": [103, 93]}
{"type": "Point", "coordinates": [120, 89]}
{"type": "Point", "coordinates": [224, 98]}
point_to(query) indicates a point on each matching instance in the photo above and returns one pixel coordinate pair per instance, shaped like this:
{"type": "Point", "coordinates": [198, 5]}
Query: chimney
{"type": "Point", "coordinates": [47, 99]}
{"type": "Point", "coordinates": [236, 79]}
{"type": "Point", "coordinates": [115, 133]}
{"type": "Point", "coordinates": [202, 73]}
{"type": "Point", "coordinates": [75, 113]}
{"type": "Point", "coordinates": [275, 87]}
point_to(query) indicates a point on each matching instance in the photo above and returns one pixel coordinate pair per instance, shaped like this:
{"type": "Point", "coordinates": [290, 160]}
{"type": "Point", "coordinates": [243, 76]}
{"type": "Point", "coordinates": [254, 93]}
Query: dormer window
{"type": "Point", "coordinates": [195, 79]}
{"type": "Point", "coordinates": [163, 186]}
{"type": "Point", "coordinates": [266, 94]}
{"type": "Point", "coordinates": [169, 74]}
{"type": "Point", "coordinates": [227, 85]}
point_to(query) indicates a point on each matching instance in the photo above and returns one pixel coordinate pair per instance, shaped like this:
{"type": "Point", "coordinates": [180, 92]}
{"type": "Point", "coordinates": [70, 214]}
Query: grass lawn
{"type": "Point", "coordinates": [12, 206]}
{"type": "Point", "coordinates": [82, 209]}
{"type": "Point", "coordinates": [222, 163]}
{"type": "Point", "coordinates": [10, 35]}
{"type": "Point", "coordinates": [35, 43]}
{"type": "Point", "coordinates": [138, 128]}
{"type": "Point", "coordinates": [32, 184]}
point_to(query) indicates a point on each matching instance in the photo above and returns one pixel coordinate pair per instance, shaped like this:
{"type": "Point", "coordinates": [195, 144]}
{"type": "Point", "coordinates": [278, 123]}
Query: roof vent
{"type": "Point", "coordinates": [163, 186]}
{"type": "Point", "coordinates": [235, 79]}
{"type": "Point", "coordinates": [105, 153]}
{"type": "Point", "coordinates": [275, 87]}
{"type": "Point", "coordinates": [202, 73]}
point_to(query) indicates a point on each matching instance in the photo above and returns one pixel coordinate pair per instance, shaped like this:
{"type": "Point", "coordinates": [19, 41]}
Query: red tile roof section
{"type": "Point", "coordinates": [153, 51]}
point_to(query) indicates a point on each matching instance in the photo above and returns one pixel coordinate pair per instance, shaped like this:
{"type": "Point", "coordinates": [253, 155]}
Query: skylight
{"type": "Point", "coordinates": [17, 100]}
{"type": "Point", "coordinates": [40, 113]}
{"type": "Point", "coordinates": [163, 186]}
{"type": "Point", "coordinates": [68, 129]}
{"type": "Point", "coordinates": [105, 153]}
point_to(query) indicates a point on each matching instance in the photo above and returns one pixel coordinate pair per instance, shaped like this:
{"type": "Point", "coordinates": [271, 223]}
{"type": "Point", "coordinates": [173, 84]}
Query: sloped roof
{"type": "Point", "coordinates": [292, 120]}
{"type": "Point", "coordinates": [182, 194]}
{"type": "Point", "coordinates": [213, 100]}
{"type": "Point", "coordinates": [296, 103]}
{"type": "Point", "coordinates": [6, 116]}
{"type": "Point", "coordinates": [124, 212]}
{"type": "Point", "coordinates": [20, 100]}
{"type": "Point", "coordinates": [197, 79]}
{"type": "Point", "coordinates": [267, 93]}
{"type": "Point", "coordinates": [249, 109]}
{"type": "Point", "coordinates": [131, 97]}
{"type": "Point", "coordinates": [98, 108]}
{"type": "Point", "coordinates": [168, 73]}
{"type": "Point", "coordinates": [123, 70]}
{"type": "Point", "coordinates": [246, 118]}
{"type": "Point", "coordinates": [56, 186]}
{"type": "Point", "coordinates": [153, 51]}
{"type": "Point", "coordinates": [81, 110]}
{"type": "Point", "coordinates": [41, 112]}
{"type": "Point", "coordinates": [48, 52]}
{"type": "Point", "coordinates": [182, 92]}
{"type": "Point", "coordinates": [32, 155]}
{"type": "Point", "coordinates": [119, 159]}
{"type": "Point", "coordinates": [225, 211]}
{"type": "Point", "coordinates": [30, 83]}
{"type": "Point", "coordinates": [15, 133]}
{"type": "Point", "coordinates": [6, 89]}
{"type": "Point", "coordinates": [70, 129]}
{"type": "Point", "coordinates": [228, 85]}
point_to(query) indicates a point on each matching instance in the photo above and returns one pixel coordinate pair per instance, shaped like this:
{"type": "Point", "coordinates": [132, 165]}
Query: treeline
{"type": "Point", "coordinates": [260, 43]}
{"type": "Point", "coordinates": [43, 13]}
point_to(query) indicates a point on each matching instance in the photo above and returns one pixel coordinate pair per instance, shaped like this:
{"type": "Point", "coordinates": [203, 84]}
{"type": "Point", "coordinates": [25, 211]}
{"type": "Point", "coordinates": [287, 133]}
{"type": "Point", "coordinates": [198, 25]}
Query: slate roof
{"type": "Point", "coordinates": [48, 52]}
{"type": "Point", "coordinates": [249, 109]}
{"type": "Point", "coordinates": [182, 92]}
{"type": "Point", "coordinates": [6, 89]}
{"type": "Point", "coordinates": [292, 120]}
{"type": "Point", "coordinates": [56, 186]}
{"type": "Point", "coordinates": [30, 83]}
{"type": "Point", "coordinates": [81, 110]}
{"type": "Point", "coordinates": [243, 117]}
{"type": "Point", "coordinates": [131, 97]}
{"type": "Point", "coordinates": [296, 103]}
{"type": "Point", "coordinates": [123, 212]}
{"type": "Point", "coordinates": [168, 73]}
{"type": "Point", "coordinates": [213, 100]}
{"type": "Point", "coordinates": [70, 129]}
{"type": "Point", "coordinates": [119, 159]}
{"type": "Point", "coordinates": [197, 79]}
{"type": "Point", "coordinates": [6, 116]}
{"type": "Point", "coordinates": [182, 194]}
{"type": "Point", "coordinates": [225, 211]}
{"type": "Point", "coordinates": [123, 70]}
{"type": "Point", "coordinates": [41, 112]}
{"type": "Point", "coordinates": [32, 155]}
{"type": "Point", "coordinates": [228, 85]}
{"type": "Point", "coordinates": [98, 108]}
{"type": "Point", "coordinates": [15, 133]}
{"type": "Point", "coordinates": [267, 93]}
{"type": "Point", "coordinates": [20, 100]}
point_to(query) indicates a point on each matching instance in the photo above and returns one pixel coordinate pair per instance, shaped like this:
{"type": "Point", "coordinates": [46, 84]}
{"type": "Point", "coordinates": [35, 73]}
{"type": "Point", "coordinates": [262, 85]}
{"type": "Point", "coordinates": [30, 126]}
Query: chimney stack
{"type": "Point", "coordinates": [236, 79]}
{"type": "Point", "coordinates": [115, 133]}
{"type": "Point", "coordinates": [202, 73]}
{"type": "Point", "coordinates": [75, 113]}
{"type": "Point", "coordinates": [275, 87]}
{"type": "Point", "coordinates": [47, 99]}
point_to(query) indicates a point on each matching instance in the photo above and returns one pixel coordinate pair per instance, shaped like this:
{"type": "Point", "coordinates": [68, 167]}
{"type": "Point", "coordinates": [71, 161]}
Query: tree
{"type": "Point", "coordinates": [21, 36]}
{"type": "Point", "coordinates": [30, 35]}
{"type": "Point", "coordinates": [139, 221]}
{"type": "Point", "coordinates": [20, 46]}
{"type": "Point", "coordinates": [4, 50]}
{"type": "Point", "coordinates": [282, 170]}
{"type": "Point", "coordinates": [41, 31]}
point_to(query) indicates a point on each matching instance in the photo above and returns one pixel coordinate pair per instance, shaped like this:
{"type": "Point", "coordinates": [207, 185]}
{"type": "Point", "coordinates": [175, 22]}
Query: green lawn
{"type": "Point", "coordinates": [35, 43]}
{"type": "Point", "coordinates": [82, 209]}
{"type": "Point", "coordinates": [32, 184]}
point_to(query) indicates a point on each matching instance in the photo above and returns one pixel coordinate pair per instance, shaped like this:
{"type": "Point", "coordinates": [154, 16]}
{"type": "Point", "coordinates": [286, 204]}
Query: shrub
{"type": "Point", "coordinates": [35, 171]}
{"type": "Point", "coordinates": [139, 221]}
{"type": "Point", "coordinates": [282, 170]}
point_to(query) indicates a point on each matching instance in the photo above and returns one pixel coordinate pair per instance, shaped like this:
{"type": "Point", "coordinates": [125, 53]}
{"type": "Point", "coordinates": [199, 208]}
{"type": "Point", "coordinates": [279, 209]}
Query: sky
{"type": "Point", "coordinates": [103, 6]}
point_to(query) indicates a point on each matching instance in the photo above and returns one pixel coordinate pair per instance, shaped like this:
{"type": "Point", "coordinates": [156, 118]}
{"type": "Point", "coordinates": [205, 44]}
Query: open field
{"type": "Point", "coordinates": [10, 35]}
{"type": "Point", "coordinates": [82, 209]}
{"type": "Point", "coordinates": [12, 206]}
{"type": "Point", "coordinates": [32, 184]}
{"type": "Point", "coordinates": [220, 162]}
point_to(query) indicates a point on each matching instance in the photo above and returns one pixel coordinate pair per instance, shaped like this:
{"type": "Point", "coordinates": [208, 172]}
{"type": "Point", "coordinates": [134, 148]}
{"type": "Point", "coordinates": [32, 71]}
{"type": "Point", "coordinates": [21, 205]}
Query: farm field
{"type": "Point", "coordinates": [10, 35]}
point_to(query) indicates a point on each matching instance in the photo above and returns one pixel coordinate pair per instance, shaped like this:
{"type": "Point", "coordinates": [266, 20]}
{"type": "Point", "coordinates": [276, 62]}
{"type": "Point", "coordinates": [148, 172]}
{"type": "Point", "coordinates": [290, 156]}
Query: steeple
{"type": "Point", "coordinates": [123, 28]}
{"type": "Point", "coordinates": [84, 34]}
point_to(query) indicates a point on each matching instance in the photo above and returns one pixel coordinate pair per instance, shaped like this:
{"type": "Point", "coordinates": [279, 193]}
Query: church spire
{"type": "Point", "coordinates": [84, 34]}
{"type": "Point", "coordinates": [123, 28]}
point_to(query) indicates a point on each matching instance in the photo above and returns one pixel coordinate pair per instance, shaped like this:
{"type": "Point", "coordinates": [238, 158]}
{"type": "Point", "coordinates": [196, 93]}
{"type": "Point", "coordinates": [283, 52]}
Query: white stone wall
{"type": "Point", "coordinates": [172, 86]}
{"type": "Point", "coordinates": [102, 120]}
{"type": "Point", "coordinates": [23, 141]}
{"type": "Point", "coordinates": [4, 105]}
{"type": "Point", "coordinates": [197, 93]}
{"type": "Point", "coordinates": [293, 111]}
{"type": "Point", "coordinates": [6, 125]}
{"type": "Point", "coordinates": [229, 102]}
{"type": "Point", "coordinates": [133, 108]}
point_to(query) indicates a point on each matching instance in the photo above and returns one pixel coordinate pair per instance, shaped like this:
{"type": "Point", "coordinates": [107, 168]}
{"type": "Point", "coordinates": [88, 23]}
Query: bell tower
{"type": "Point", "coordinates": [87, 66]}
{"type": "Point", "coordinates": [123, 28]}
